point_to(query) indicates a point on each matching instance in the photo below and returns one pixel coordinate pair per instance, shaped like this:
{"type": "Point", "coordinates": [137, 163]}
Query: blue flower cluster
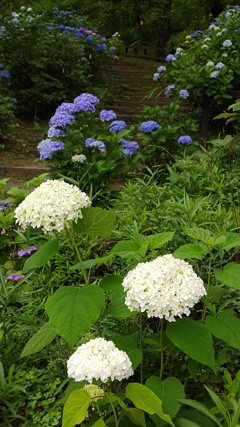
{"type": "Point", "coordinates": [107, 115]}
{"type": "Point", "coordinates": [4, 205]}
{"type": "Point", "coordinates": [117, 126]}
{"type": "Point", "coordinates": [149, 126]}
{"type": "Point", "coordinates": [183, 94]}
{"type": "Point", "coordinates": [93, 143]}
{"type": "Point", "coordinates": [129, 146]}
{"type": "Point", "coordinates": [4, 73]}
{"type": "Point", "coordinates": [47, 147]}
{"type": "Point", "coordinates": [185, 139]}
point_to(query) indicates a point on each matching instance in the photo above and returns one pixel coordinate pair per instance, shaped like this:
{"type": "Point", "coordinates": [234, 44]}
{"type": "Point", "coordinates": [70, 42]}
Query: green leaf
{"type": "Point", "coordinates": [202, 408]}
{"type": "Point", "coordinates": [231, 240]}
{"type": "Point", "coordinates": [116, 307]}
{"type": "Point", "coordinates": [144, 398]}
{"type": "Point", "coordinates": [229, 275]}
{"type": "Point", "coordinates": [75, 409]}
{"type": "Point", "coordinates": [44, 336]}
{"type": "Point", "coordinates": [125, 249]}
{"type": "Point", "coordinates": [91, 262]}
{"type": "Point", "coordinates": [129, 345]}
{"type": "Point", "coordinates": [137, 416]}
{"type": "Point", "coordinates": [156, 241]}
{"type": "Point", "coordinates": [99, 423]}
{"type": "Point", "coordinates": [201, 234]}
{"type": "Point", "coordinates": [194, 339]}
{"type": "Point", "coordinates": [191, 251]}
{"type": "Point", "coordinates": [182, 422]}
{"type": "Point", "coordinates": [225, 326]}
{"type": "Point", "coordinates": [42, 256]}
{"type": "Point", "coordinates": [169, 391]}
{"type": "Point", "coordinates": [217, 402]}
{"type": "Point", "coordinates": [95, 222]}
{"type": "Point", "coordinates": [72, 311]}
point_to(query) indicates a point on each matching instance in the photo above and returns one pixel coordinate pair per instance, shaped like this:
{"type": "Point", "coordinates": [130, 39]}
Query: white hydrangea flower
{"type": "Point", "coordinates": [80, 158]}
{"type": "Point", "coordinates": [214, 74]}
{"type": "Point", "coordinates": [99, 359]}
{"type": "Point", "coordinates": [204, 46]}
{"type": "Point", "coordinates": [210, 64]}
{"type": "Point", "coordinates": [94, 391]}
{"type": "Point", "coordinates": [166, 287]}
{"type": "Point", "coordinates": [51, 206]}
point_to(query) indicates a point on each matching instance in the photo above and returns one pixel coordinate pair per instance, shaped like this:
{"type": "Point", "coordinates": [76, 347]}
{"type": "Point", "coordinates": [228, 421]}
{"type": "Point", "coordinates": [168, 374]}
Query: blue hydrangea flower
{"type": "Point", "coordinates": [149, 126]}
{"type": "Point", "coordinates": [5, 73]}
{"type": "Point", "coordinates": [183, 94]}
{"type": "Point", "coordinates": [117, 126]}
{"type": "Point", "coordinates": [185, 139]}
{"type": "Point", "coordinates": [156, 77]}
{"type": "Point", "coordinates": [65, 107]}
{"type": "Point", "coordinates": [61, 27]}
{"type": "Point", "coordinates": [89, 39]}
{"type": "Point", "coordinates": [54, 131]}
{"type": "Point", "coordinates": [161, 69]}
{"type": "Point", "coordinates": [100, 48]}
{"type": "Point", "coordinates": [168, 90]}
{"type": "Point", "coordinates": [219, 65]}
{"type": "Point", "coordinates": [93, 143]}
{"type": "Point", "coordinates": [227, 43]}
{"type": "Point", "coordinates": [107, 115]}
{"type": "Point", "coordinates": [170, 57]}
{"type": "Point", "coordinates": [15, 20]}
{"type": "Point", "coordinates": [85, 100]}
{"type": "Point", "coordinates": [129, 146]}
{"type": "Point", "coordinates": [197, 33]}
{"type": "Point", "coordinates": [47, 147]}
{"type": "Point", "coordinates": [79, 33]}
{"type": "Point", "coordinates": [61, 119]}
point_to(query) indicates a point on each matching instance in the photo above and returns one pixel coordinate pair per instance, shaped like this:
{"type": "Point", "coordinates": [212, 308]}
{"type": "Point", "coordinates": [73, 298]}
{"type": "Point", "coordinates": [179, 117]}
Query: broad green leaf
{"type": "Point", "coordinates": [191, 251]}
{"type": "Point", "coordinates": [202, 408]}
{"type": "Point", "coordinates": [91, 262]}
{"type": "Point", "coordinates": [75, 409]}
{"type": "Point", "coordinates": [109, 283]}
{"type": "Point", "coordinates": [136, 415]}
{"type": "Point", "coordinates": [183, 422]}
{"type": "Point", "coordinates": [44, 336]}
{"type": "Point", "coordinates": [72, 311]}
{"type": "Point", "coordinates": [229, 275]}
{"type": "Point", "coordinates": [169, 391]}
{"type": "Point", "coordinates": [225, 326]}
{"type": "Point", "coordinates": [194, 339]}
{"type": "Point", "coordinates": [217, 402]}
{"type": "Point", "coordinates": [99, 423]}
{"type": "Point", "coordinates": [201, 234]}
{"type": "Point", "coordinates": [42, 256]}
{"type": "Point", "coordinates": [116, 307]}
{"type": "Point", "coordinates": [95, 222]}
{"type": "Point", "coordinates": [156, 241]}
{"type": "Point", "coordinates": [231, 240]}
{"type": "Point", "coordinates": [125, 249]}
{"type": "Point", "coordinates": [145, 399]}
{"type": "Point", "coordinates": [129, 345]}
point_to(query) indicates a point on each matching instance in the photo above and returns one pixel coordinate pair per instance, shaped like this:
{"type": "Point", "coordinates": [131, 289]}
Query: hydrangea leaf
{"type": "Point", "coordinates": [225, 326]}
{"type": "Point", "coordinates": [75, 409]}
{"type": "Point", "coordinates": [95, 222]}
{"type": "Point", "coordinates": [99, 423]}
{"type": "Point", "coordinates": [201, 234]}
{"type": "Point", "coordinates": [116, 307]}
{"type": "Point", "coordinates": [145, 399]}
{"type": "Point", "coordinates": [72, 311]}
{"type": "Point", "coordinates": [202, 408]}
{"type": "Point", "coordinates": [191, 251]}
{"type": "Point", "coordinates": [183, 422]}
{"type": "Point", "coordinates": [44, 336]}
{"type": "Point", "coordinates": [129, 345]}
{"type": "Point", "coordinates": [156, 241]}
{"type": "Point", "coordinates": [169, 391]}
{"type": "Point", "coordinates": [136, 415]}
{"type": "Point", "coordinates": [42, 256]}
{"type": "Point", "coordinates": [194, 339]}
{"type": "Point", "coordinates": [229, 275]}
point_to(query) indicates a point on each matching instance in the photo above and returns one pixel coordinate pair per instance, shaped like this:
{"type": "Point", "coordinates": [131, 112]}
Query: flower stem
{"type": "Point", "coordinates": [71, 237]}
{"type": "Point", "coordinates": [161, 348]}
{"type": "Point", "coordinates": [114, 410]}
{"type": "Point", "coordinates": [208, 289]}
{"type": "Point", "coordinates": [140, 339]}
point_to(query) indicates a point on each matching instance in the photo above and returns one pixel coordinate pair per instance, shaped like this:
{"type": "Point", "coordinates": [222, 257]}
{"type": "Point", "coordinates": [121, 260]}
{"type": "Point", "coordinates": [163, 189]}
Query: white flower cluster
{"type": "Point", "coordinates": [166, 287]}
{"type": "Point", "coordinates": [80, 158]}
{"type": "Point", "coordinates": [51, 206]}
{"type": "Point", "coordinates": [94, 391]}
{"type": "Point", "coordinates": [99, 359]}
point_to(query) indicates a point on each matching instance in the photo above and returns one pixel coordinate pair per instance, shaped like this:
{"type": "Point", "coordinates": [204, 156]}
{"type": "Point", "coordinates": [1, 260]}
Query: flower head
{"type": "Point", "coordinates": [117, 126]}
{"type": "Point", "coordinates": [149, 126]}
{"type": "Point", "coordinates": [214, 74]}
{"type": "Point", "coordinates": [93, 143]}
{"type": "Point", "coordinates": [112, 49]}
{"type": "Point", "coordinates": [161, 69]}
{"type": "Point", "coordinates": [85, 102]}
{"type": "Point", "coordinates": [170, 57]}
{"type": "Point", "coordinates": [99, 359]}
{"type": "Point", "coordinates": [51, 205]}
{"type": "Point", "coordinates": [183, 94]}
{"type": "Point", "coordinates": [219, 65]}
{"type": "Point", "coordinates": [107, 115]}
{"type": "Point", "coordinates": [61, 119]}
{"type": "Point", "coordinates": [156, 76]}
{"type": "Point", "coordinates": [55, 131]}
{"type": "Point", "coordinates": [79, 158]}
{"type": "Point", "coordinates": [27, 251]}
{"type": "Point", "coordinates": [47, 147]}
{"type": "Point", "coordinates": [15, 277]}
{"type": "Point", "coordinates": [166, 288]}
{"type": "Point", "coordinates": [94, 391]}
{"type": "Point", "coordinates": [168, 90]}
{"type": "Point", "coordinates": [227, 43]}
{"type": "Point", "coordinates": [210, 64]}
{"type": "Point", "coordinates": [129, 146]}
{"type": "Point", "coordinates": [185, 139]}
{"type": "Point", "coordinates": [100, 47]}
{"type": "Point", "coordinates": [5, 73]}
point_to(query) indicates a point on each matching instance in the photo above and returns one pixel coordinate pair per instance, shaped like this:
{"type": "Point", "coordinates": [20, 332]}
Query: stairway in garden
{"type": "Point", "coordinates": [132, 78]}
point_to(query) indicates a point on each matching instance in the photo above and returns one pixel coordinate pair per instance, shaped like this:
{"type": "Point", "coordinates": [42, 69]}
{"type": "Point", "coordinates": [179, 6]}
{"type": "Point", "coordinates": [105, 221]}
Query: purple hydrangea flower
{"type": "Point", "coordinates": [197, 33]}
{"type": "Point", "coordinates": [87, 32]}
{"type": "Point", "coordinates": [219, 65]}
{"type": "Point", "coordinates": [156, 77]}
{"type": "Point", "coordinates": [183, 94]}
{"type": "Point", "coordinates": [61, 119]}
{"type": "Point", "coordinates": [149, 126]}
{"type": "Point", "coordinates": [170, 57]}
{"type": "Point", "coordinates": [89, 142]}
{"type": "Point", "coordinates": [129, 146]}
{"type": "Point", "coordinates": [112, 49]}
{"type": "Point", "coordinates": [47, 147]}
{"type": "Point", "coordinates": [85, 102]}
{"type": "Point", "coordinates": [61, 27]}
{"type": "Point", "coordinates": [168, 90]}
{"type": "Point", "coordinates": [65, 107]}
{"type": "Point", "coordinates": [185, 139]}
{"type": "Point", "coordinates": [161, 69]}
{"type": "Point", "coordinates": [27, 251]}
{"type": "Point", "coordinates": [93, 143]}
{"type": "Point", "coordinates": [117, 126]}
{"type": "Point", "coordinates": [100, 47]}
{"type": "Point", "coordinates": [5, 73]}
{"type": "Point", "coordinates": [15, 20]}
{"type": "Point", "coordinates": [103, 39]}
{"type": "Point", "coordinates": [15, 277]}
{"type": "Point", "coordinates": [55, 131]}
{"type": "Point", "coordinates": [4, 205]}
{"type": "Point", "coordinates": [227, 43]}
{"type": "Point", "coordinates": [107, 115]}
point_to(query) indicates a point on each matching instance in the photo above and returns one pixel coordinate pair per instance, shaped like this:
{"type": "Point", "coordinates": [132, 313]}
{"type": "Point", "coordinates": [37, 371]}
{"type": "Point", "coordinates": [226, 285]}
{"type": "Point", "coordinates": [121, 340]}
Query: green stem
{"type": "Point", "coordinates": [161, 349]}
{"type": "Point", "coordinates": [114, 410]}
{"type": "Point", "coordinates": [207, 289]}
{"type": "Point", "coordinates": [140, 339]}
{"type": "Point", "coordinates": [71, 237]}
